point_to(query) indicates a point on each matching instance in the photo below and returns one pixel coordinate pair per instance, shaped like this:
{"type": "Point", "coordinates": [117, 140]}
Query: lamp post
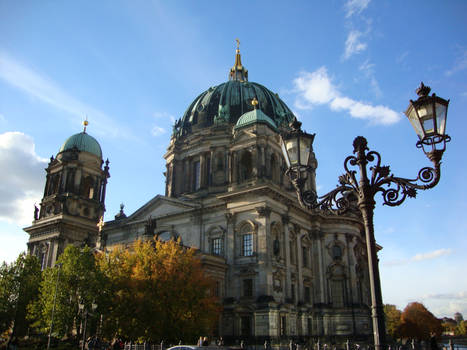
{"type": "Point", "coordinates": [428, 117]}
{"type": "Point", "coordinates": [82, 307]}
{"type": "Point", "coordinates": [59, 266]}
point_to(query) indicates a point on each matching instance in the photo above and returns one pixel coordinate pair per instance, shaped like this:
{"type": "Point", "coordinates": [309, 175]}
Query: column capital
{"type": "Point", "coordinates": [263, 211]}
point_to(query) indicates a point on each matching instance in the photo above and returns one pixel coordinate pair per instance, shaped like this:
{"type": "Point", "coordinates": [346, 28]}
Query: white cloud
{"type": "Point", "coordinates": [420, 257]}
{"type": "Point", "coordinates": [353, 44]}
{"type": "Point", "coordinates": [157, 130]}
{"type": "Point", "coordinates": [317, 88]}
{"type": "Point", "coordinates": [163, 117]}
{"type": "Point", "coordinates": [368, 70]}
{"type": "Point", "coordinates": [460, 64]}
{"type": "Point", "coordinates": [451, 296]}
{"type": "Point", "coordinates": [44, 89]}
{"type": "Point", "coordinates": [355, 7]}
{"type": "Point", "coordinates": [431, 255]}
{"type": "Point", "coordinates": [21, 181]}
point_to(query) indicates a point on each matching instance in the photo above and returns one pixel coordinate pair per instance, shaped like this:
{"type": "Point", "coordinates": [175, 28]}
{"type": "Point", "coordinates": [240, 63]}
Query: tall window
{"type": "Point", "coordinates": [307, 295]}
{"type": "Point", "coordinates": [246, 166]}
{"type": "Point", "coordinates": [309, 326]}
{"type": "Point", "coordinates": [196, 176]}
{"type": "Point", "coordinates": [292, 252]}
{"type": "Point", "coordinates": [247, 244]}
{"type": "Point", "coordinates": [293, 293]}
{"type": "Point", "coordinates": [246, 326]}
{"type": "Point", "coordinates": [248, 287]}
{"type": "Point", "coordinates": [283, 325]}
{"type": "Point", "coordinates": [216, 246]}
{"type": "Point", "coordinates": [305, 256]}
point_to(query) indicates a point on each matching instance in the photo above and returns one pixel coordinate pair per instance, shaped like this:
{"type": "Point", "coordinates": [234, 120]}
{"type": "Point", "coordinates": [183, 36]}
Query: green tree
{"type": "Point", "coordinates": [76, 279]}
{"type": "Point", "coordinates": [418, 323]}
{"type": "Point", "coordinates": [19, 284]}
{"type": "Point", "coordinates": [393, 320]}
{"type": "Point", "coordinates": [461, 328]}
{"type": "Point", "coordinates": [159, 291]}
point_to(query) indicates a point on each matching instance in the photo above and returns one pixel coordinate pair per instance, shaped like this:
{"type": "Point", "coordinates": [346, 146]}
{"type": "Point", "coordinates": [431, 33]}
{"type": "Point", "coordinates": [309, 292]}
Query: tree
{"type": "Point", "coordinates": [159, 291]}
{"type": "Point", "coordinates": [393, 320]}
{"type": "Point", "coordinates": [77, 279]}
{"type": "Point", "coordinates": [418, 323]}
{"type": "Point", "coordinates": [19, 284]}
{"type": "Point", "coordinates": [461, 328]}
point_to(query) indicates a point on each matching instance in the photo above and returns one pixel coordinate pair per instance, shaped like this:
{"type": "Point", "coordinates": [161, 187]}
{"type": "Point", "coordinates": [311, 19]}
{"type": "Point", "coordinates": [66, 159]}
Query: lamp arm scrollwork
{"type": "Point", "coordinates": [394, 190]}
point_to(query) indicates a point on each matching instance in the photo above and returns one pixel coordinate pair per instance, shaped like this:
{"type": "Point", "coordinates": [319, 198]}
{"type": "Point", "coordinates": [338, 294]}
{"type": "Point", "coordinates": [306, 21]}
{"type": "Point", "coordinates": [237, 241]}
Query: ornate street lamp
{"type": "Point", "coordinates": [428, 117]}
{"type": "Point", "coordinates": [59, 267]}
{"type": "Point", "coordinates": [82, 308]}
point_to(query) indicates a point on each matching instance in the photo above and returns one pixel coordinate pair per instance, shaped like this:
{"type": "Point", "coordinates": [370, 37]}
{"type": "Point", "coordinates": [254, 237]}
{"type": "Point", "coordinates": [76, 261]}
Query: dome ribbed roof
{"type": "Point", "coordinates": [83, 142]}
{"type": "Point", "coordinates": [253, 117]}
{"type": "Point", "coordinates": [227, 102]}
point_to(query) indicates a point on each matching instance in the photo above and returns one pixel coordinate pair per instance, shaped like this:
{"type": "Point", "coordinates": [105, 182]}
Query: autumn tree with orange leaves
{"type": "Point", "coordinates": [418, 323]}
{"type": "Point", "coordinates": [157, 291]}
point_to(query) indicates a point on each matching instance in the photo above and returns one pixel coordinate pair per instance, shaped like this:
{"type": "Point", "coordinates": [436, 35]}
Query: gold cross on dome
{"type": "Point", "coordinates": [238, 43]}
{"type": "Point", "coordinates": [100, 224]}
{"type": "Point", "coordinates": [254, 102]}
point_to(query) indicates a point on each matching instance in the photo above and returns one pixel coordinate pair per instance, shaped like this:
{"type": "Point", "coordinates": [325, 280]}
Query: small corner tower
{"type": "Point", "coordinates": [73, 200]}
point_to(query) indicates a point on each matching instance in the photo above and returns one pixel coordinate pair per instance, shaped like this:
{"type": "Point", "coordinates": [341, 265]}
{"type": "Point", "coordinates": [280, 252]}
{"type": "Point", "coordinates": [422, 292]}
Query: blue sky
{"type": "Point", "coordinates": [346, 68]}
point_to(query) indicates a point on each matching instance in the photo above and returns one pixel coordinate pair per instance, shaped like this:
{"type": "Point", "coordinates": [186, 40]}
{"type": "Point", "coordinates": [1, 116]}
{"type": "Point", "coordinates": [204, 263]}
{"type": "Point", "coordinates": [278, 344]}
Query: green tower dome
{"type": "Point", "coordinates": [82, 142]}
{"type": "Point", "coordinates": [227, 102]}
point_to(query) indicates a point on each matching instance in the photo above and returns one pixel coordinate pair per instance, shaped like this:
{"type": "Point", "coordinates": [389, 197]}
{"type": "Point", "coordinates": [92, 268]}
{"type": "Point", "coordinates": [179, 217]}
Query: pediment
{"type": "Point", "coordinates": [161, 206]}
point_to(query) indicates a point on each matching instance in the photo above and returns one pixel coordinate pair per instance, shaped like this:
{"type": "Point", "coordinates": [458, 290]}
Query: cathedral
{"type": "Point", "coordinates": [281, 271]}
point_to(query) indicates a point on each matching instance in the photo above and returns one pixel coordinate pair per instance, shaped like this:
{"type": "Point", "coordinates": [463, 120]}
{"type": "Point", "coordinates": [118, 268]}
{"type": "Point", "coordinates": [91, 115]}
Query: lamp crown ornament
{"type": "Point", "coordinates": [295, 125]}
{"type": "Point", "coordinates": [422, 90]}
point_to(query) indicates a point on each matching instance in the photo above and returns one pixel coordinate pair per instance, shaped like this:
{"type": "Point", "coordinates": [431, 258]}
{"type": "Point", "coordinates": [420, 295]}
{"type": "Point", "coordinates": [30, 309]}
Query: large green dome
{"type": "Point", "coordinates": [82, 142]}
{"type": "Point", "coordinates": [227, 102]}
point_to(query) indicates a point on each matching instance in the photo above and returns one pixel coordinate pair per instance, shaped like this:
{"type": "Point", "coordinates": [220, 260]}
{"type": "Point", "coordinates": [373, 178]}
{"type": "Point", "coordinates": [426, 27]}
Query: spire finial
{"type": "Point", "coordinates": [85, 124]}
{"type": "Point", "coordinates": [238, 72]}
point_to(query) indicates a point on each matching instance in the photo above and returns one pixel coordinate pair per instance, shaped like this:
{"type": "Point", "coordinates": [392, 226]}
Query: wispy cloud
{"type": "Point", "coordinates": [161, 117]}
{"type": "Point", "coordinates": [2, 118]}
{"type": "Point", "coordinates": [353, 44]}
{"type": "Point", "coordinates": [368, 70]}
{"type": "Point", "coordinates": [450, 296]}
{"type": "Point", "coordinates": [355, 7]}
{"type": "Point", "coordinates": [402, 57]}
{"type": "Point", "coordinates": [420, 257]}
{"type": "Point", "coordinates": [316, 88]}
{"type": "Point", "coordinates": [431, 255]}
{"type": "Point", "coordinates": [460, 64]}
{"type": "Point", "coordinates": [46, 90]}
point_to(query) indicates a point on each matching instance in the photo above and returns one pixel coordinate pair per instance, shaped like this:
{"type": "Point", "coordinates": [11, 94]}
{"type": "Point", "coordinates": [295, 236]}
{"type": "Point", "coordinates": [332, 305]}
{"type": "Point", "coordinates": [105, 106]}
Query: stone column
{"type": "Point", "coordinates": [229, 250]}
{"type": "Point", "coordinates": [288, 276]}
{"type": "Point", "coordinates": [262, 251]}
{"type": "Point", "coordinates": [211, 167]}
{"type": "Point", "coordinates": [202, 171]}
{"type": "Point", "coordinates": [300, 266]}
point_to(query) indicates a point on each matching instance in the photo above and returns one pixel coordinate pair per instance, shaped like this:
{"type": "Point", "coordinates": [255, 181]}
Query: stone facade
{"type": "Point", "coordinates": [281, 271]}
